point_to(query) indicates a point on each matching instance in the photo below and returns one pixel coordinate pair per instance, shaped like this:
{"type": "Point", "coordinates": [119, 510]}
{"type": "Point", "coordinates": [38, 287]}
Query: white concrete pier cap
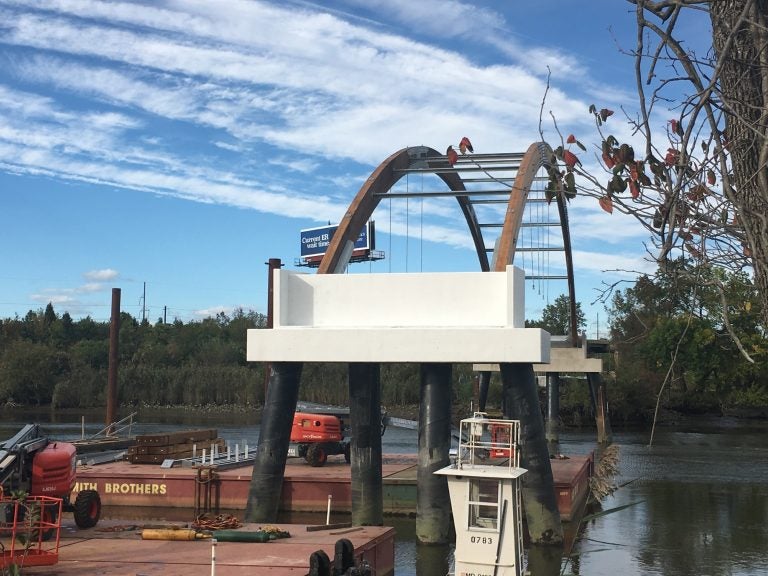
{"type": "Point", "coordinates": [454, 317]}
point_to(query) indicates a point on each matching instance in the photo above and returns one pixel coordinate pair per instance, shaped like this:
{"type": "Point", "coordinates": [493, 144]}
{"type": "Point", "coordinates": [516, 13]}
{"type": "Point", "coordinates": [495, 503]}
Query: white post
{"type": "Point", "coordinates": [328, 514]}
{"type": "Point", "coordinates": [237, 452]}
{"type": "Point", "coordinates": [246, 450]}
{"type": "Point", "coordinates": [194, 450]}
{"type": "Point", "coordinates": [213, 556]}
{"type": "Point", "coordinates": [202, 460]}
{"type": "Point", "coordinates": [82, 427]}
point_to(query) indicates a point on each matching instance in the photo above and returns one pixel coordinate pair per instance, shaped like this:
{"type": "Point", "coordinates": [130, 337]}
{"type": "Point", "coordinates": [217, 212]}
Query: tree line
{"type": "Point", "coordinates": [51, 359]}
{"type": "Point", "coordinates": [668, 342]}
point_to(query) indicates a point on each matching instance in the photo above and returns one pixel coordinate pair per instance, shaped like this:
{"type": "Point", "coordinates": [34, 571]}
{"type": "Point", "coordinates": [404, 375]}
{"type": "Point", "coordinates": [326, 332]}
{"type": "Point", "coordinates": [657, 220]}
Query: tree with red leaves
{"type": "Point", "coordinates": [699, 185]}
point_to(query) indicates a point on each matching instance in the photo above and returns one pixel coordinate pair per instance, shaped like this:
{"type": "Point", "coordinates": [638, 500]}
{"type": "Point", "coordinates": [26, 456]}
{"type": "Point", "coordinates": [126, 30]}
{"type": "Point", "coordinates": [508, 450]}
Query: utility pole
{"type": "Point", "coordinates": [144, 304]}
{"type": "Point", "coordinates": [165, 314]}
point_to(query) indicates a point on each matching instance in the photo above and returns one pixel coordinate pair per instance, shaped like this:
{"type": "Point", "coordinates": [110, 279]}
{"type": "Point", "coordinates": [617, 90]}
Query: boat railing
{"type": "Point", "coordinates": [488, 441]}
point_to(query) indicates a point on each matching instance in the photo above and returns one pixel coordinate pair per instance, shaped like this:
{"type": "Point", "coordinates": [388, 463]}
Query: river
{"type": "Point", "coordinates": [699, 496]}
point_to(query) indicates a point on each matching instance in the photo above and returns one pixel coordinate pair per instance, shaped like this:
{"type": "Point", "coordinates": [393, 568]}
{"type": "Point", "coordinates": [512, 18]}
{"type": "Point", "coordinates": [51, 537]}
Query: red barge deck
{"type": "Point", "coordinates": [305, 488]}
{"type": "Point", "coordinates": [109, 551]}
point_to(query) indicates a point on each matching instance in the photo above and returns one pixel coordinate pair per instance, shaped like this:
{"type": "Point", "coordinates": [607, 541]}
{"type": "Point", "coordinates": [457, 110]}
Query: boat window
{"type": "Point", "coordinates": [483, 503]}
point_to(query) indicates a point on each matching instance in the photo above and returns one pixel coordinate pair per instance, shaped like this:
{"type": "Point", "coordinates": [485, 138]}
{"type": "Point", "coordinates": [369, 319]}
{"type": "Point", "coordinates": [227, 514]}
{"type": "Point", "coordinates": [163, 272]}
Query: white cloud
{"type": "Point", "coordinates": [91, 287]}
{"type": "Point", "coordinates": [54, 297]}
{"type": "Point", "coordinates": [311, 91]}
{"type": "Point", "coordinates": [303, 165]}
{"type": "Point", "coordinates": [103, 275]}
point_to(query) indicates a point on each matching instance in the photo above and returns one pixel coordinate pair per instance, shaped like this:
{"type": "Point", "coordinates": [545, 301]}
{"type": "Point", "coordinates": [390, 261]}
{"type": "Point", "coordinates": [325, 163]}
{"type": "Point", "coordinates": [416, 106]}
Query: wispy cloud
{"type": "Point", "coordinates": [104, 275]}
{"type": "Point", "coordinates": [313, 93]}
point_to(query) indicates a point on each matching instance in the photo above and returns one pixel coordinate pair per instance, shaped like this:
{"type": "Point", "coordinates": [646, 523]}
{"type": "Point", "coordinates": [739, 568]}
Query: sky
{"type": "Point", "coordinates": [170, 148]}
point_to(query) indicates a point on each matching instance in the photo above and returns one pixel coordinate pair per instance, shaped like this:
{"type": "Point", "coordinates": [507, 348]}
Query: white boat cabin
{"type": "Point", "coordinates": [484, 486]}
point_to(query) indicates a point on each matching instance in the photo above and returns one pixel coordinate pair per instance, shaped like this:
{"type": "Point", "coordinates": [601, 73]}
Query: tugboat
{"type": "Point", "coordinates": [484, 487]}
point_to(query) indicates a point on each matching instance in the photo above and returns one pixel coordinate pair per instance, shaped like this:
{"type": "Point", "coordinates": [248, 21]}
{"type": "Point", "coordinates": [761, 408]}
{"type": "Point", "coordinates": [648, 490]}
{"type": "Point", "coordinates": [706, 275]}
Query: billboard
{"type": "Point", "coordinates": [315, 241]}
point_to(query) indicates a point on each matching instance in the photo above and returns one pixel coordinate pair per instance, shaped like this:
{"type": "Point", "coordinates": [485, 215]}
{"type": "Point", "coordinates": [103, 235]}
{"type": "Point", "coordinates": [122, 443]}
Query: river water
{"type": "Point", "coordinates": [699, 496]}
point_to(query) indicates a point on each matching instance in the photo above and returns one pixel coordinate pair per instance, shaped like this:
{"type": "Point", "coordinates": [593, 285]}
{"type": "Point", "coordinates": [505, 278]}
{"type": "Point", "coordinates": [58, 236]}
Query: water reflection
{"type": "Point", "coordinates": [545, 560]}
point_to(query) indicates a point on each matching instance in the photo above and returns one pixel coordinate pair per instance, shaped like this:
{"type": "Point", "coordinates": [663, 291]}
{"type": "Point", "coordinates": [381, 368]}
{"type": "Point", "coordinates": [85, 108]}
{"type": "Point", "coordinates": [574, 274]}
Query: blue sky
{"type": "Point", "coordinates": [183, 143]}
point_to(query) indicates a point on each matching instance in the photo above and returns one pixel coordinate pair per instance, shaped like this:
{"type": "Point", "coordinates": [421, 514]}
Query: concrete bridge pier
{"type": "Point", "coordinates": [521, 402]}
{"type": "Point", "coordinates": [272, 450]}
{"type": "Point", "coordinates": [365, 447]}
{"type": "Point", "coordinates": [433, 503]}
{"type": "Point", "coordinates": [553, 410]}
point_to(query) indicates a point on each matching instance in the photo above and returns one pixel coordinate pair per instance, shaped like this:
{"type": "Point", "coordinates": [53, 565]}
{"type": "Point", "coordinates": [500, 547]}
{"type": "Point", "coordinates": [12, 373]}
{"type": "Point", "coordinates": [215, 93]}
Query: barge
{"type": "Point", "coordinates": [305, 488]}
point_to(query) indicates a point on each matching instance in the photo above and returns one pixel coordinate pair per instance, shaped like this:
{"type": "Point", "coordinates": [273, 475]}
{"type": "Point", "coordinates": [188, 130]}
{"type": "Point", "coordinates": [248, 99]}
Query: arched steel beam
{"type": "Point", "coordinates": [379, 182]}
{"type": "Point", "coordinates": [539, 155]}
{"type": "Point", "coordinates": [563, 211]}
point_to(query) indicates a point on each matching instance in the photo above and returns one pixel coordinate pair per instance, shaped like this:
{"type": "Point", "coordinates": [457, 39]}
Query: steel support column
{"type": "Point", "coordinates": [597, 390]}
{"type": "Point", "coordinates": [521, 402]}
{"type": "Point", "coordinates": [553, 408]}
{"type": "Point", "coordinates": [485, 384]}
{"type": "Point", "coordinates": [272, 450]}
{"type": "Point", "coordinates": [433, 504]}
{"type": "Point", "coordinates": [114, 356]}
{"type": "Point", "coordinates": [365, 448]}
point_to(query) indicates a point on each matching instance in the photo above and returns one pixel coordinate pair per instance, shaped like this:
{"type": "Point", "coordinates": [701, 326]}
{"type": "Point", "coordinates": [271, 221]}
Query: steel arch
{"type": "Point", "coordinates": [539, 155]}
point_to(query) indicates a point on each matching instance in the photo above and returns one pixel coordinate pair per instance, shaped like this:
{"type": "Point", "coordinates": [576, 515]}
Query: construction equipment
{"type": "Point", "coordinates": [319, 431]}
{"type": "Point", "coordinates": [33, 464]}
{"type": "Point", "coordinates": [315, 436]}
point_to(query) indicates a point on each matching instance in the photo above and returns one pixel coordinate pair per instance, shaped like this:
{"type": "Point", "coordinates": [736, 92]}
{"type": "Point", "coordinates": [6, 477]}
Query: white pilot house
{"type": "Point", "coordinates": [484, 486]}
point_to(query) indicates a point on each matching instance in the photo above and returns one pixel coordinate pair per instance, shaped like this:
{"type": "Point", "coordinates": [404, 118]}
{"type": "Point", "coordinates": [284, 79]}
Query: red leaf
{"type": "Point", "coordinates": [570, 159]}
{"type": "Point", "coordinates": [606, 204]}
{"type": "Point", "coordinates": [452, 155]}
{"type": "Point", "coordinates": [711, 178]}
{"type": "Point", "coordinates": [634, 189]}
{"type": "Point", "coordinates": [465, 145]}
{"type": "Point", "coordinates": [571, 139]}
{"type": "Point", "coordinates": [609, 161]}
{"type": "Point", "coordinates": [698, 192]}
{"type": "Point", "coordinates": [671, 158]}
{"type": "Point", "coordinates": [625, 154]}
{"type": "Point", "coordinates": [604, 113]}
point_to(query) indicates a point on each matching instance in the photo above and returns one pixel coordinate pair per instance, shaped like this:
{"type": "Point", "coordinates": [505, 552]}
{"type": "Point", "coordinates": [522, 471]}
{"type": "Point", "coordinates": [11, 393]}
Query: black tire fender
{"type": "Point", "coordinates": [319, 564]}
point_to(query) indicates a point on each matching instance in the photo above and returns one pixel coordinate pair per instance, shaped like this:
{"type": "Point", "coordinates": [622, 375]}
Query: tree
{"type": "Point", "coordinates": [556, 317]}
{"type": "Point", "coordinates": [662, 328]}
{"type": "Point", "coordinates": [49, 316]}
{"type": "Point", "coordinates": [699, 180]}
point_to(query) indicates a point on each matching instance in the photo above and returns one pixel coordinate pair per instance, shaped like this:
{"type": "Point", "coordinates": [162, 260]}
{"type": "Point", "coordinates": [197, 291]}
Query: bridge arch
{"type": "Point", "coordinates": [422, 159]}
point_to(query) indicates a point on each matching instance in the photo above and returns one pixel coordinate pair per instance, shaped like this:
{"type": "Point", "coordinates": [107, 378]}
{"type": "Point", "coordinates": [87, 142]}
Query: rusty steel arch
{"type": "Point", "coordinates": [370, 194]}
{"type": "Point", "coordinates": [539, 155]}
